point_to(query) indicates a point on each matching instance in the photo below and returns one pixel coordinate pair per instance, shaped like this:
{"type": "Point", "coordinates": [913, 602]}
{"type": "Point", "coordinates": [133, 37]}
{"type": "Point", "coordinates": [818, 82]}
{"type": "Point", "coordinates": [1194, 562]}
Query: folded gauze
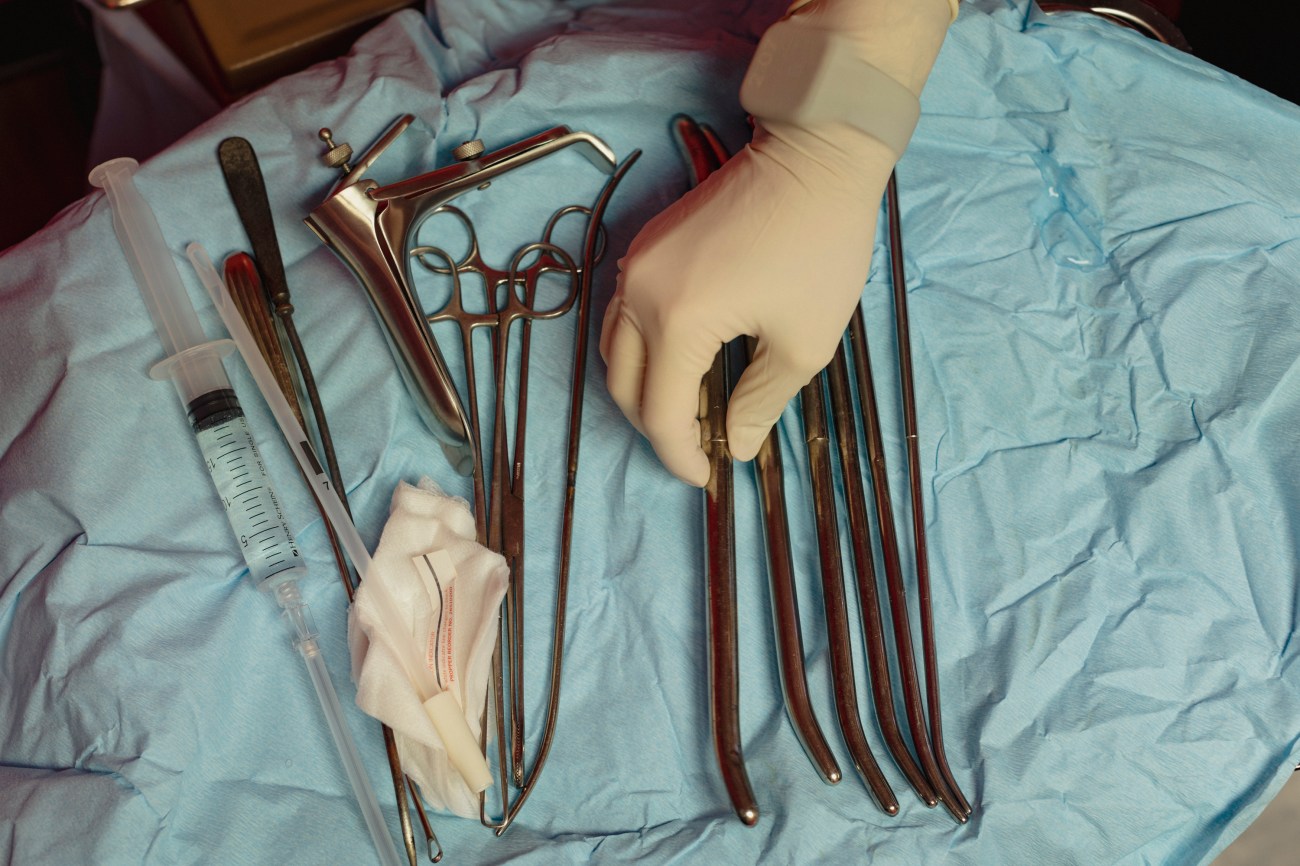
{"type": "Point", "coordinates": [446, 589]}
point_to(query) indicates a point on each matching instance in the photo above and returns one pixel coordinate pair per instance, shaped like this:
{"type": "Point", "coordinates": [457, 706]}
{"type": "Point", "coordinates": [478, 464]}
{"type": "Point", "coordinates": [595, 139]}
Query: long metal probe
{"type": "Point", "coordinates": [817, 436]}
{"type": "Point", "coordinates": [882, 691]}
{"type": "Point", "coordinates": [700, 143]}
{"type": "Point", "coordinates": [928, 652]}
{"type": "Point", "coordinates": [723, 638]}
{"type": "Point", "coordinates": [769, 472]}
{"type": "Point", "coordinates": [703, 157]}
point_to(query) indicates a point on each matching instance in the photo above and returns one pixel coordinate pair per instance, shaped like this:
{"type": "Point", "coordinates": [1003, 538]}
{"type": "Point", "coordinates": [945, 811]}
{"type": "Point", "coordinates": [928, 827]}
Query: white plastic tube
{"type": "Point", "coordinates": [288, 596]}
{"type": "Point", "coordinates": [299, 443]}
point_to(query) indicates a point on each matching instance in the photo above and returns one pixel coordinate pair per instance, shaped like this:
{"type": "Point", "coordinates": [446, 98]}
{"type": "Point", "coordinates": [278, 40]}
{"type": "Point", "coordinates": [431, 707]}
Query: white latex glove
{"type": "Point", "coordinates": [776, 244]}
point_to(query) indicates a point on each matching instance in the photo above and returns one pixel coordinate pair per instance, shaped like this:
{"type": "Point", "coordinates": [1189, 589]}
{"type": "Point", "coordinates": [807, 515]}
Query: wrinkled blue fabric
{"type": "Point", "coordinates": [1101, 240]}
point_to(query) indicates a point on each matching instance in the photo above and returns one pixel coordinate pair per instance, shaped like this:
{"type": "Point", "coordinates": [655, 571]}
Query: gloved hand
{"type": "Point", "coordinates": [776, 244]}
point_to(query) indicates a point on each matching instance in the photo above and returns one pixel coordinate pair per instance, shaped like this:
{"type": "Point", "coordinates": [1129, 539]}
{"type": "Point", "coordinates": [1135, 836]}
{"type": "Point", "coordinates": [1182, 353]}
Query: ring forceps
{"type": "Point", "coordinates": [505, 520]}
{"type": "Point", "coordinates": [503, 530]}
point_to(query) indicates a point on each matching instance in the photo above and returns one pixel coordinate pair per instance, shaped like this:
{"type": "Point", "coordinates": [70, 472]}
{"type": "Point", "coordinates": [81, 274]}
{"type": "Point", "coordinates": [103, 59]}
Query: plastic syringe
{"type": "Point", "coordinates": [439, 705]}
{"type": "Point", "coordinates": [193, 363]}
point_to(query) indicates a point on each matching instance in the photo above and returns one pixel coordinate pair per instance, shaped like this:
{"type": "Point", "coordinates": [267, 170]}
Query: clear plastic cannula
{"type": "Point", "coordinates": [194, 365]}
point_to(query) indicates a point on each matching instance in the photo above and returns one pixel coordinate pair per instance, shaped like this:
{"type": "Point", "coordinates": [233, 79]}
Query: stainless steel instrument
{"type": "Point", "coordinates": [372, 228]}
{"type": "Point", "coordinates": [243, 177]}
{"type": "Point", "coordinates": [830, 430]}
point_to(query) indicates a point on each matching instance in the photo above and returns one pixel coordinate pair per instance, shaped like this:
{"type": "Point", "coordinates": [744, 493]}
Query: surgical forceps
{"type": "Point", "coordinates": [498, 318]}
{"type": "Point", "coordinates": [591, 248]}
{"type": "Point", "coordinates": [518, 285]}
{"type": "Point", "coordinates": [590, 252]}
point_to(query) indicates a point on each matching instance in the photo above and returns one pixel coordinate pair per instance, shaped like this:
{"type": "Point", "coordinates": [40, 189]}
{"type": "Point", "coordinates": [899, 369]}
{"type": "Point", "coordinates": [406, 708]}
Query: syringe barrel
{"type": "Point", "coordinates": [255, 512]}
{"type": "Point", "coordinates": [160, 283]}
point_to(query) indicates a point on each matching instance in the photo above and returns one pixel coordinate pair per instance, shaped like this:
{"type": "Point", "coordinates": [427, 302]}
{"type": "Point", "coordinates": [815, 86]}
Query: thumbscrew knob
{"type": "Point", "coordinates": [337, 155]}
{"type": "Point", "coordinates": [469, 150]}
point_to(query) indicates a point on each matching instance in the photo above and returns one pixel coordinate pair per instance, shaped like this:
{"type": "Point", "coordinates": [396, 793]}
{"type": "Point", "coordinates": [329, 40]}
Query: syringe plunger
{"type": "Point", "coordinates": [190, 360]}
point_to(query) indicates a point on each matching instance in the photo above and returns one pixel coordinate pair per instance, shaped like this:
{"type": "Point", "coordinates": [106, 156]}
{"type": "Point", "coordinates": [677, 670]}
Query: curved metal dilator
{"type": "Point", "coordinates": [372, 229]}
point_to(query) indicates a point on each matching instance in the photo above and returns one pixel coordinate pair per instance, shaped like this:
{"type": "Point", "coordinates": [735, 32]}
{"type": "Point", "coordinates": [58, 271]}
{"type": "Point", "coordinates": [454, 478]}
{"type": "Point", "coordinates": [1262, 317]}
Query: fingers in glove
{"type": "Point", "coordinates": [609, 323]}
{"type": "Point", "coordinates": [772, 378]}
{"type": "Point", "coordinates": [670, 405]}
{"type": "Point", "coordinates": [624, 350]}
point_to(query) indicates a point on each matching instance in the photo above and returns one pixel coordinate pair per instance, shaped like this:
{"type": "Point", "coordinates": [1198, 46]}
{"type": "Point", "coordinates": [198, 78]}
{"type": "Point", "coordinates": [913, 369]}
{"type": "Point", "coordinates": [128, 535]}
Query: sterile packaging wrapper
{"type": "Point", "coordinates": [455, 622]}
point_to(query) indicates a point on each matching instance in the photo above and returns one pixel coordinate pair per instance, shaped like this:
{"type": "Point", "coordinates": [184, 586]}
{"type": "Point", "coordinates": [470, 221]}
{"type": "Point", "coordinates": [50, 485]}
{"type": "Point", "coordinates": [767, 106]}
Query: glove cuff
{"type": "Point", "coordinates": [952, 4]}
{"type": "Point", "coordinates": [811, 77]}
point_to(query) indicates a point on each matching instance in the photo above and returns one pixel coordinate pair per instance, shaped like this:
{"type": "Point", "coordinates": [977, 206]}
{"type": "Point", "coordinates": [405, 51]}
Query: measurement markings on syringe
{"type": "Point", "coordinates": [255, 511]}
